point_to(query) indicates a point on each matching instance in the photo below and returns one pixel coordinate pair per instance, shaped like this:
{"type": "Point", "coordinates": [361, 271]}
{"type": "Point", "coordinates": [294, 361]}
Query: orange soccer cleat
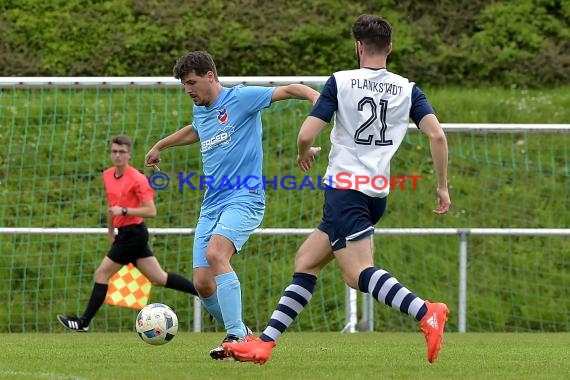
{"type": "Point", "coordinates": [433, 325]}
{"type": "Point", "coordinates": [257, 350]}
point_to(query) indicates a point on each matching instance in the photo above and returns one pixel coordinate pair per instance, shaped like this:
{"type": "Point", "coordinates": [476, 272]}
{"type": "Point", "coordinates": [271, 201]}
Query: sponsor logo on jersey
{"type": "Point", "coordinates": [223, 116]}
{"type": "Point", "coordinates": [222, 137]}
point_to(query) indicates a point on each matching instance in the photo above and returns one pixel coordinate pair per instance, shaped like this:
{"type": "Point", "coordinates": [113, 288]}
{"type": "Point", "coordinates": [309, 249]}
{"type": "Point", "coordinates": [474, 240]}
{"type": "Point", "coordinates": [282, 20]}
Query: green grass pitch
{"type": "Point", "coordinates": [298, 356]}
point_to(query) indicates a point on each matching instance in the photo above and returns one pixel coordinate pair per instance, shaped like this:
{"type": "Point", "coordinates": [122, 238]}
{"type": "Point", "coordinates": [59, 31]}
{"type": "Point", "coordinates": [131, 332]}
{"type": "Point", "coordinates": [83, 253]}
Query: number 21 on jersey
{"type": "Point", "coordinates": [376, 120]}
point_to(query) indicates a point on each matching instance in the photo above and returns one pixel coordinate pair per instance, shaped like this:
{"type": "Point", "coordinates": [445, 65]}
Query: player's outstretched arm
{"type": "Point", "coordinates": [295, 91]}
{"type": "Point", "coordinates": [311, 127]}
{"type": "Point", "coordinates": [184, 136]}
{"type": "Point", "coordinates": [439, 154]}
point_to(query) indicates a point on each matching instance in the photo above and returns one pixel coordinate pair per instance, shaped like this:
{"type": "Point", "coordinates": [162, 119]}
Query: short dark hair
{"type": "Point", "coordinates": [374, 32]}
{"type": "Point", "coordinates": [198, 61]}
{"type": "Point", "coordinates": [122, 140]}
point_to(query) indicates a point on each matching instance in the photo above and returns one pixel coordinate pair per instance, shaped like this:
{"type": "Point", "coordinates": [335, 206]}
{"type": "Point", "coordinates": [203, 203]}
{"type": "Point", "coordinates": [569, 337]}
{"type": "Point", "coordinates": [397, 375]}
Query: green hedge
{"type": "Point", "coordinates": [523, 43]}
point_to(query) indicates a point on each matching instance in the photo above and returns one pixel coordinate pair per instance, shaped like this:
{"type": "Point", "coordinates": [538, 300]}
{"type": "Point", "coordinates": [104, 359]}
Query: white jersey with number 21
{"type": "Point", "coordinates": [369, 125]}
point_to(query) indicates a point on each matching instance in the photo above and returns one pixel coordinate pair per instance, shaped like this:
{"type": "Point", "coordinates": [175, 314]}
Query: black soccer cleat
{"type": "Point", "coordinates": [218, 353]}
{"type": "Point", "coordinates": [72, 323]}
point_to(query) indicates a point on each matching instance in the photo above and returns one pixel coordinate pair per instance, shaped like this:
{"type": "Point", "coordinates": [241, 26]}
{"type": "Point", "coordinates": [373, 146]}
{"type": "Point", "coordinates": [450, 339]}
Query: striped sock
{"type": "Point", "coordinates": [294, 299]}
{"type": "Point", "coordinates": [386, 289]}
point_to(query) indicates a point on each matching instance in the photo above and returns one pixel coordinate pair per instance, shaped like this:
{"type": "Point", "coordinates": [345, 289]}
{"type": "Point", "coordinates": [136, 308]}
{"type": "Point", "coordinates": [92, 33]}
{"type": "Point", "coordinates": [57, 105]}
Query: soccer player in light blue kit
{"type": "Point", "coordinates": [227, 123]}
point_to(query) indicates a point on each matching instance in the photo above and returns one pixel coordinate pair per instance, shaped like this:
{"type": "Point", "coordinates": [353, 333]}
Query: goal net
{"type": "Point", "coordinates": [55, 134]}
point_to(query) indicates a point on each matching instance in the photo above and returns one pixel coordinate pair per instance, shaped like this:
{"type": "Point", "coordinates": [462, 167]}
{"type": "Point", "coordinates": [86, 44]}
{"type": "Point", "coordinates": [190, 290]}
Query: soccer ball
{"type": "Point", "coordinates": [156, 324]}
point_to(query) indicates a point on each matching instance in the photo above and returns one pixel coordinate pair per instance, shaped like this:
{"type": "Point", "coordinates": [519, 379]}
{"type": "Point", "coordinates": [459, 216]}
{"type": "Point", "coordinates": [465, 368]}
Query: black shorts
{"type": "Point", "coordinates": [349, 215]}
{"type": "Point", "coordinates": [131, 243]}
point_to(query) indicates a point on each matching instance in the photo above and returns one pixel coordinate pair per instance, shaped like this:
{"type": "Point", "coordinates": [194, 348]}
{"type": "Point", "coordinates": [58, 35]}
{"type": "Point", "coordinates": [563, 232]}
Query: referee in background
{"type": "Point", "coordinates": [131, 199]}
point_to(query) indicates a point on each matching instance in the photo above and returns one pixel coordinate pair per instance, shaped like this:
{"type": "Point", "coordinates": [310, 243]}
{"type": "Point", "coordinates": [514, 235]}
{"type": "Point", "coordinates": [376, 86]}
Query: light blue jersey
{"type": "Point", "coordinates": [230, 142]}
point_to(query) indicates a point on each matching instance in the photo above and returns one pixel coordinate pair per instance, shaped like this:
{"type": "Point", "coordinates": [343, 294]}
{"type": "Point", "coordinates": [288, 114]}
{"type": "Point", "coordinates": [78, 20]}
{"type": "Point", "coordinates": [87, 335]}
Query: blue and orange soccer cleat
{"type": "Point", "coordinates": [256, 351]}
{"type": "Point", "coordinates": [433, 325]}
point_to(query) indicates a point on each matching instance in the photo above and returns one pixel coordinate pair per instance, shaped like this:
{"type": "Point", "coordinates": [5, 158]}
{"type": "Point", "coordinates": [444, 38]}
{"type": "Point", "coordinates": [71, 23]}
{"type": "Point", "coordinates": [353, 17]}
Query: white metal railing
{"type": "Point", "coordinates": [151, 81]}
{"type": "Point", "coordinates": [351, 294]}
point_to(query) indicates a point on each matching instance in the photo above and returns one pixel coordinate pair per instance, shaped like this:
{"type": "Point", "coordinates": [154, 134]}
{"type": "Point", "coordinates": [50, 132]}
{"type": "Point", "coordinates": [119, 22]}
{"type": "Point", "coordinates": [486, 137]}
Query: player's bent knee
{"type": "Point", "coordinates": [351, 281]}
{"type": "Point", "coordinates": [307, 267]}
{"type": "Point", "coordinates": [103, 275]}
{"type": "Point", "coordinates": [158, 282]}
{"type": "Point", "coordinates": [205, 289]}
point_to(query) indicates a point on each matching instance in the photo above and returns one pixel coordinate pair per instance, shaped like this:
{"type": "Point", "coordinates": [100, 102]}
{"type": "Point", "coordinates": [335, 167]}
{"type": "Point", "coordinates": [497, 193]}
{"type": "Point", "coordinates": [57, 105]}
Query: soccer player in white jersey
{"type": "Point", "coordinates": [227, 123]}
{"type": "Point", "coordinates": [371, 108]}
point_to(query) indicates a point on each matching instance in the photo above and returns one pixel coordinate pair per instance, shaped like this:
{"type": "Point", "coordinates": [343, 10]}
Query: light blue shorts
{"type": "Point", "coordinates": [236, 221]}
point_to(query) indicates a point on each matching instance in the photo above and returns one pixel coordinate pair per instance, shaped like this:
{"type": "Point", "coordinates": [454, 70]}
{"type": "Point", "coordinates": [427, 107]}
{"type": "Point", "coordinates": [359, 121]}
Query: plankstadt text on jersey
{"type": "Point", "coordinates": [380, 87]}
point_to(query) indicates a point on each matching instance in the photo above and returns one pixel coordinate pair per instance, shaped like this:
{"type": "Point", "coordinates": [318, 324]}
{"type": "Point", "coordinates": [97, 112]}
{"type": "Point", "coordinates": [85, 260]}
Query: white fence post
{"type": "Point", "coordinates": [197, 314]}
{"type": "Point", "coordinates": [351, 310]}
{"type": "Point", "coordinates": [462, 318]}
{"type": "Point", "coordinates": [367, 313]}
